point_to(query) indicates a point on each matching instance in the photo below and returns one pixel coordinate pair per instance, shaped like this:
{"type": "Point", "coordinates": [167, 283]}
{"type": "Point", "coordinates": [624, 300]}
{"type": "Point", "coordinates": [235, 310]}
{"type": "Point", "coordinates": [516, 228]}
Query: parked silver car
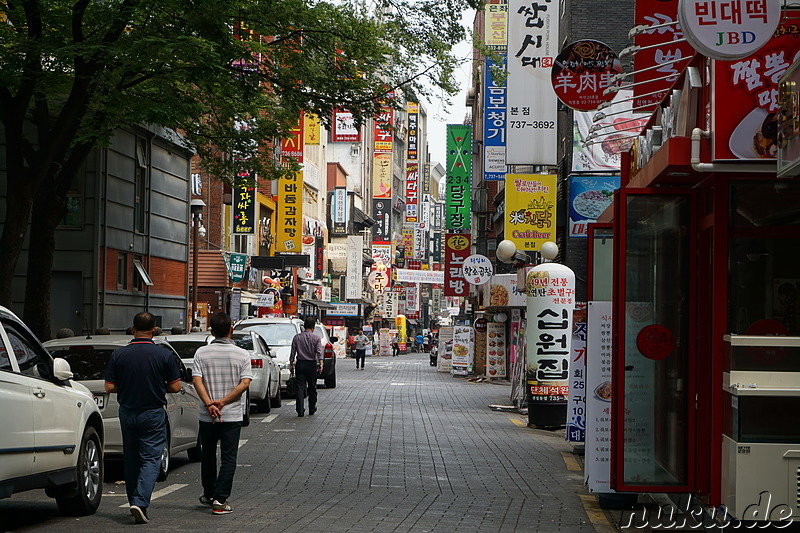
{"type": "Point", "coordinates": [52, 434]}
{"type": "Point", "coordinates": [264, 390]}
{"type": "Point", "coordinates": [88, 357]}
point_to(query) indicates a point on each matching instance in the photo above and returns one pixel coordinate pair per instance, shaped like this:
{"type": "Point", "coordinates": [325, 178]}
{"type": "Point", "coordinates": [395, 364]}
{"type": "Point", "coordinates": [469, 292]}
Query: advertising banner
{"type": "Point", "coordinates": [319, 257]}
{"type": "Point", "coordinates": [311, 130]}
{"type": "Point", "coordinates": [413, 134]}
{"type": "Point", "coordinates": [292, 146]}
{"type": "Point", "coordinates": [530, 210]}
{"type": "Point", "coordinates": [459, 177]}
{"type": "Point", "coordinates": [615, 134]}
{"type": "Point", "coordinates": [589, 196]}
{"type": "Point", "coordinates": [598, 397]}
{"type": "Point", "coordinates": [494, 126]}
{"type": "Point", "coordinates": [583, 72]}
{"type": "Point", "coordinates": [236, 265]}
{"type": "Point", "coordinates": [382, 175]}
{"type": "Point", "coordinates": [496, 350]}
{"type": "Point", "coordinates": [445, 349]}
{"type": "Point", "coordinates": [576, 408]}
{"type": "Point", "coordinates": [290, 213]}
{"type": "Point", "coordinates": [384, 342]}
{"type": "Point", "coordinates": [244, 209]}
{"type": "Point", "coordinates": [389, 304]}
{"type": "Point", "coordinates": [668, 50]}
{"type": "Point", "coordinates": [496, 37]}
{"type": "Point", "coordinates": [420, 243]}
{"type": "Point", "coordinates": [405, 275]}
{"type": "Point", "coordinates": [412, 301]}
{"type": "Point", "coordinates": [744, 110]}
{"type": "Point", "coordinates": [412, 192]}
{"type": "Point", "coordinates": [533, 42]}
{"type": "Point", "coordinates": [355, 267]}
{"type": "Point", "coordinates": [502, 291]}
{"type": "Point", "coordinates": [382, 213]}
{"type": "Point", "coordinates": [463, 356]}
{"type": "Point", "coordinates": [383, 132]}
{"type": "Point", "coordinates": [382, 255]}
{"type": "Point", "coordinates": [457, 249]}
{"type": "Point", "coordinates": [344, 127]}
{"type": "Point", "coordinates": [339, 211]}
{"type": "Point", "coordinates": [550, 288]}
{"type": "Point", "coordinates": [425, 219]}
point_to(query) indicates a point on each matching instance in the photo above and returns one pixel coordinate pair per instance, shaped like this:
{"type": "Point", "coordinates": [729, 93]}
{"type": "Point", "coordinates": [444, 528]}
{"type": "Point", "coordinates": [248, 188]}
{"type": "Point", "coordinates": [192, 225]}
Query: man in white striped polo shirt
{"type": "Point", "coordinates": [221, 374]}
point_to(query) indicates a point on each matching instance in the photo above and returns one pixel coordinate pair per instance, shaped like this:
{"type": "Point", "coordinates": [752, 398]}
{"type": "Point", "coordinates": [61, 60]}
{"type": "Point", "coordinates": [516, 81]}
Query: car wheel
{"type": "Point", "coordinates": [330, 381]}
{"type": "Point", "coordinates": [275, 401]}
{"type": "Point", "coordinates": [89, 478]}
{"type": "Point", "coordinates": [195, 454]}
{"type": "Point", "coordinates": [263, 405]}
{"type": "Point", "coordinates": [163, 471]}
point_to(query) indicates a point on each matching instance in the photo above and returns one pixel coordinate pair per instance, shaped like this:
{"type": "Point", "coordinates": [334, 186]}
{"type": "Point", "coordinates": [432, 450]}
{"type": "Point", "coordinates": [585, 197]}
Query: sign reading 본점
{"type": "Point", "coordinates": [551, 298]}
{"type": "Point", "coordinates": [459, 177]}
{"type": "Point", "coordinates": [728, 29]}
{"type": "Point", "coordinates": [477, 269]}
{"type": "Point", "coordinates": [582, 72]}
{"type": "Point", "coordinates": [530, 209]}
{"type": "Point", "coordinates": [533, 42]}
{"type": "Point", "coordinates": [244, 208]}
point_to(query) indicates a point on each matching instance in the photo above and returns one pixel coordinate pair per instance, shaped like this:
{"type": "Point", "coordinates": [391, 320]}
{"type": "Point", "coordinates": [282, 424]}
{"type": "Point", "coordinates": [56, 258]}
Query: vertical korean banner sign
{"type": "Point", "coordinates": [244, 208]}
{"type": "Point", "coordinates": [457, 249]}
{"type": "Point", "coordinates": [598, 397]}
{"type": "Point", "coordinates": [462, 351]}
{"type": "Point", "coordinates": [339, 211]}
{"type": "Point", "coordinates": [576, 409]}
{"type": "Point", "coordinates": [530, 215]}
{"type": "Point", "coordinates": [355, 274]}
{"type": "Point", "coordinates": [532, 103]}
{"type": "Point", "coordinates": [550, 288]}
{"type": "Point", "coordinates": [459, 177]}
{"type": "Point", "coordinates": [412, 192]}
{"type": "Point", "coordinates": [494, 127]}
{"type": "Point", "coordinates": [290, 195]}
{"type": "Point", "coordinates": [413, 131]}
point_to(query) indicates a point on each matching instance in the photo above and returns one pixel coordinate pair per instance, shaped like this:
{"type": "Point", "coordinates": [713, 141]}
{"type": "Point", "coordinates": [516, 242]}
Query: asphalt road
{"type": "Point", "coordinates": [397, 447]}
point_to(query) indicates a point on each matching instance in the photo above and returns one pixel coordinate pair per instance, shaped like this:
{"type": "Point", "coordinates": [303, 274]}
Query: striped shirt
{"type": "Point", "coordinates": [222, 365]}
{"type": "Point", "coordinates": [306, 346]}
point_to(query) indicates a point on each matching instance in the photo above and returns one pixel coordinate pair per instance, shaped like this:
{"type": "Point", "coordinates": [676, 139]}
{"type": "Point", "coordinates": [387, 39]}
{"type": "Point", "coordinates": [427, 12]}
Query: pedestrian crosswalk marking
{"type": "Point", "coordinates": [163, 492]}
{"type": "Point", "coordinates": [269, 418]}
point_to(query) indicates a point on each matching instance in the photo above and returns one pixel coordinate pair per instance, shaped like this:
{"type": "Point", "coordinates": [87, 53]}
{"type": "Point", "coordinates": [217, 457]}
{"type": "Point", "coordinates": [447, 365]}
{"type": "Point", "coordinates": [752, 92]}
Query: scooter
{"type": "Point", "coordinates": [434, 355]}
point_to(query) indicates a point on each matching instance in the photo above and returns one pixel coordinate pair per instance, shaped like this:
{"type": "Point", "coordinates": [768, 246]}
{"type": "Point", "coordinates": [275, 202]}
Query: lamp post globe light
{"type": "Point", "coordinates": [198, 232]}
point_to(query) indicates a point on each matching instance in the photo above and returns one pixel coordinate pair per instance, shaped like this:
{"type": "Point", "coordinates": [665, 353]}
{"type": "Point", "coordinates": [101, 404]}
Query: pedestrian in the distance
{"type": "Point", "coordinates": [426, 343]}
{"type": "Point", "coordinates": [141, 374]}
{"type": "Point", "coordinates": [361, 348]}
{"type": "Point", "coordinates": [307, 350]}
{"type": "Point", "coordinates": [419, 342]}
{"type": "Point", "coordinates": [395, 346]}
{"type": "Point", "coordinates": [221, 374]}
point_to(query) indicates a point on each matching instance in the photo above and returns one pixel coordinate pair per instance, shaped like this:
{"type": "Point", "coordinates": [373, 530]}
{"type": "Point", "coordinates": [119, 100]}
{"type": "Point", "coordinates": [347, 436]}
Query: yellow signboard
{"type": "Point", "coordinates": [290, 214]}
{"type": "Point", "coordinates": [311, 130]}
{"type": "Point", "coordinates": [530, 216]}
{"type": "Point", "coordinates": [382, 176]}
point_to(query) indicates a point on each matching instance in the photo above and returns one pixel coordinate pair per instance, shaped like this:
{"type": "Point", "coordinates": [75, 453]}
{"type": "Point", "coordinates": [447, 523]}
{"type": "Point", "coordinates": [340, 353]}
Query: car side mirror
{"type": "Point", "coordinates": [61, 369]}
{"type": "Point", "coordinates": [333, 339]}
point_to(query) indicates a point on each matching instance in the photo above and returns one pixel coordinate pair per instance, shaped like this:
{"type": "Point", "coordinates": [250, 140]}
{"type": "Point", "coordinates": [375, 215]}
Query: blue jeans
{"type": "Point", "coordinates": [144, 433]}
{"type": "Point", "coordinates": [218, 486]}
{"type": "Point", "coordinates": [306, 372]}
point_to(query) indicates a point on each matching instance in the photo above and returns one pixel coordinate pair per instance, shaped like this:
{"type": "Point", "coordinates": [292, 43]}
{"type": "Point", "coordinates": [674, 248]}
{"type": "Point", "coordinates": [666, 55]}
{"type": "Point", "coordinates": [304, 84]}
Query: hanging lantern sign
{"type": "Point", "coordinates": [582, 71]}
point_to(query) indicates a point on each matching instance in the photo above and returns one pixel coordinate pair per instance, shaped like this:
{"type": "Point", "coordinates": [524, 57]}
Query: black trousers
{"type": "Point", "coordinates": [361, 354]}
{"type": "Point", "coordinates": [306, 372]}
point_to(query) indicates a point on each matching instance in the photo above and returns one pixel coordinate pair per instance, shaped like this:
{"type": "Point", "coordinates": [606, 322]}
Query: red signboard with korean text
{"type": "Point", "coordinates": [292, 145]}
{"type": "Point", "coordinates": [745, 99]}
{"type": "Point", "coordinates": [457, 249]}
{"type": "Point", "coordinates": [666, 48]}
{"type": "Point", "coordinates": [383, 133]}
{"type": "Point", "coordinates": [582, 72]}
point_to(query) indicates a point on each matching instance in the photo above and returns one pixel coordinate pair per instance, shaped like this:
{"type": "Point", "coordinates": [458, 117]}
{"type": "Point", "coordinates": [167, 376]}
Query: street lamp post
{"type": "Point", "coordinates": [198, 232]}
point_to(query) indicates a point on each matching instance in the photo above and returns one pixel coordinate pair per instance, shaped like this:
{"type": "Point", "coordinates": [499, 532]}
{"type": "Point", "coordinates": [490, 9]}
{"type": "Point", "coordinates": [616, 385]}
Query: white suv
{"type": "Point", "coordinates": [52, 435]}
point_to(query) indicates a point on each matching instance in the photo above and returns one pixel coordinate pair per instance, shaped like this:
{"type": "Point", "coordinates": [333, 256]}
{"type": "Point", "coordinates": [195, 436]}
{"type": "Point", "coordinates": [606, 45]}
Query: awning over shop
{"type": "Point", "coordinates": [361, 220]}
{"type": "Point", "coordinates": [317, 303]}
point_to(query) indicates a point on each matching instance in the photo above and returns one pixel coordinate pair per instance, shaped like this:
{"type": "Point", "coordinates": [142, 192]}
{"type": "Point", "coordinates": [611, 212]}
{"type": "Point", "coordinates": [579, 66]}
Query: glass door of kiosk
{"type": "Point", "coordinates": [653, 341]}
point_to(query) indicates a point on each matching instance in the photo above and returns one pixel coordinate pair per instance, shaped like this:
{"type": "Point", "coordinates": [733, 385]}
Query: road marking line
{"type": "Point", "coordinates": [293, 402]}
{"type": "Point", "coordinates": [269, 418]}
{"type": "Point", "coordinates": [242, 442]}
{"type": "Point", "coordinates": [163, 492]}
{"type": "Point", "coordinates": [596, 514]}
{"type": "Point", "coordinates": [518, 422]}
{"type": "Point", "coordinates": [571, 462]}
{"type": "Point", "coordinates": [282, 430]}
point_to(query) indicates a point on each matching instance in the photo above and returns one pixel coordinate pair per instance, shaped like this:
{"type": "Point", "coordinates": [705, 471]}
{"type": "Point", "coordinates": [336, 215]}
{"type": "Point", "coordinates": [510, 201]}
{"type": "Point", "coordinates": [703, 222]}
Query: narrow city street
{"type": "Point", "coordinates": [397, 447]}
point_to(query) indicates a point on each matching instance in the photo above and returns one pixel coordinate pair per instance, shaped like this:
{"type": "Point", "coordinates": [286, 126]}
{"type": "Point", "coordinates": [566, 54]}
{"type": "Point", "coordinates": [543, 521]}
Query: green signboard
{"type": "Point", "coordinates": [459, 177]}
{"type": "Point", "coordinates": [236, 265]}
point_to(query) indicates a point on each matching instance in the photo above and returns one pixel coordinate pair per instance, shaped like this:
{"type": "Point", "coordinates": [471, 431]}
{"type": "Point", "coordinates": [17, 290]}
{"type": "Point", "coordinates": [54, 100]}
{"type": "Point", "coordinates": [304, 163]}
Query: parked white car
{"type": "Point", "coordinates": [88, 357]}
{"type": "Point", "coordinates": [52, 435]}
{"type": "Point", "coordinates": [264, 390]}
{"type": "Point", "coordinates": [279, 332]}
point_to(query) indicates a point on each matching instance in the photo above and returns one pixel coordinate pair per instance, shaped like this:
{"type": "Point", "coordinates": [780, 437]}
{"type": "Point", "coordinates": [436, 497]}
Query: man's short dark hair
{"type": "Point", "coordinates": [144, 321]}
{"type": "Point", "coordinates": [310, 323]}
{"type": "Point", "coordinates": [220, 324]}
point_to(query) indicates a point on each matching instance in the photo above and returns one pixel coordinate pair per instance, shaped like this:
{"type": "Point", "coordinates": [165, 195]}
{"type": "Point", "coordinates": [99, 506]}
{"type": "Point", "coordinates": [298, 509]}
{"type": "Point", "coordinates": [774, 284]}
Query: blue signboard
{"type": "Point", "coordinates": [494, 127]}
{"type": "Point", "coordinates": [589, 196]}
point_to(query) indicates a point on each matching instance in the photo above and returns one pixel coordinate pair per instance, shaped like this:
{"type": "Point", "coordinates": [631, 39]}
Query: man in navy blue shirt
{"type": "Point", "coordinates": [141, 374]}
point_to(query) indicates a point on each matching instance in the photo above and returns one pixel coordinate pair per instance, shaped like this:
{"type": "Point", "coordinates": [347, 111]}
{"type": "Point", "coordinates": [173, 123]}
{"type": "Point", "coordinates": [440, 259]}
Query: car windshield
{"type": "Point", "coordinates": [274, 334]}
{"type": "Point", "coordinates": [243, 341]}
{"type": "Point", "coordinates": [186, 349]}
{"type": "Point", "coordinates": [86, 363]}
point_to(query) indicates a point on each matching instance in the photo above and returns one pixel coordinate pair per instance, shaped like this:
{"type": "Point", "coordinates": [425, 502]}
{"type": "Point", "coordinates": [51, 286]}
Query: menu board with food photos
{"type": "Point", "coordinates": [462, 351]}
{"type": "Point", "coordinates": [445, 349]}
{"type": "Point", "coordinates": [496, 350]}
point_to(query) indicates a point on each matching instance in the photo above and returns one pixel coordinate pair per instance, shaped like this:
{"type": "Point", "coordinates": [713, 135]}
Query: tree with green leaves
{"type": "Point", "coordinates": [74, 71]}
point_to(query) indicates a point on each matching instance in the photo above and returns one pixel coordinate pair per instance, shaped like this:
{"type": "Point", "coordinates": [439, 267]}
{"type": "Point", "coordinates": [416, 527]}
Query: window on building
{"type": "Point", "coordinates": [240, 243]}
{"type": "Point", "coordinates": [140, 187]}
{"type": "Point", "coordinates": [122, 271]}
{"type": "Point", "coordinates": [141, 278]}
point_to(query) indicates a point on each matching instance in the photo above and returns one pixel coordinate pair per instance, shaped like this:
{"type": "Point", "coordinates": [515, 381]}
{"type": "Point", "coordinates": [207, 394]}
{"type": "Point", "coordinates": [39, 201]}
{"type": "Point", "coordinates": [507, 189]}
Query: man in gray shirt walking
{"type": "Point", "coordinates": [307, 349]}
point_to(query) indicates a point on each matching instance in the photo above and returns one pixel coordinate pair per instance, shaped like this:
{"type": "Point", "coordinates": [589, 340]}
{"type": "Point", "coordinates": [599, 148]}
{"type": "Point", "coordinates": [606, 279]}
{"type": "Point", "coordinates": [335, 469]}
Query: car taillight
{"type": "Point", "coordinates": [256, 363]}
{"type": "Point", "coordinates": [328, 351]}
